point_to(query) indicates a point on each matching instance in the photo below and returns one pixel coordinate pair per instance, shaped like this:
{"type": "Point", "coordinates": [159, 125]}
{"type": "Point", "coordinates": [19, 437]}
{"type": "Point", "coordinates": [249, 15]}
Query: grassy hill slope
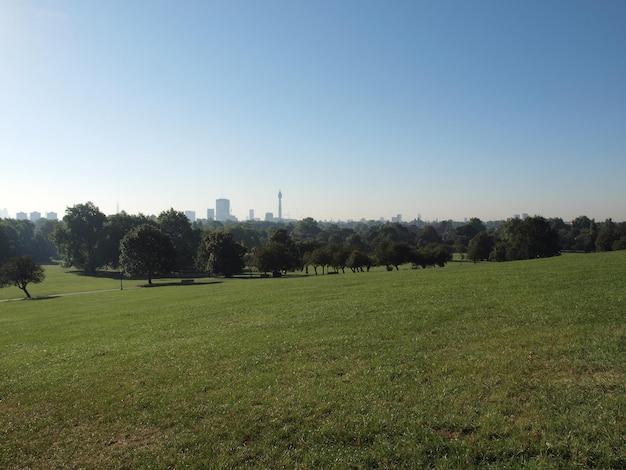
{"type": "Point", "coordinates": [517, 364]}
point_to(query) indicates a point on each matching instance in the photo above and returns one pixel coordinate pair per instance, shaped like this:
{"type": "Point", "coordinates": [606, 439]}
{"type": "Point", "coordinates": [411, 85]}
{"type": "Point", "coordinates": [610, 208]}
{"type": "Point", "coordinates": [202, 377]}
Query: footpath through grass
{"type": "Point", "coordinates": [511, 365]}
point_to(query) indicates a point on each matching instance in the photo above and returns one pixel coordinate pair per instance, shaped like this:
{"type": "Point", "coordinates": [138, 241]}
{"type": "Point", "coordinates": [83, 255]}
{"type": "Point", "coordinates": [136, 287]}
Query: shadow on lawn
{"type": "Point", "coordinates": [179, 283]}
{"type": "Point", "coordinates": [174, 279]}
{"type": "Point", "coordinates": [30, 299]}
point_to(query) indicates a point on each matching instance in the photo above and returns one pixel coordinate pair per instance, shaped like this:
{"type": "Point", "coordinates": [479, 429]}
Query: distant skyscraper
{"type": "Point", "coordinates": [51, 215]}
{"type": "Point", "coordinates": [269, 216]}
{"type": "Point", "coordinates": [280, 205]}
{"type": "Point", "coordinates": [4, 214]}
{"type": "Point", "coordinates": [222, 210]}
{"type": "Point", "coordinates": [210, 214]}
{"type": "Point", "coordinates": [21, 216]}
{"type": "Point", "coordinates": [35, 216]}
{"type": "Point", "coordinates": [251, 214]}
{"type": "Point", "coordinates": [191, 215]}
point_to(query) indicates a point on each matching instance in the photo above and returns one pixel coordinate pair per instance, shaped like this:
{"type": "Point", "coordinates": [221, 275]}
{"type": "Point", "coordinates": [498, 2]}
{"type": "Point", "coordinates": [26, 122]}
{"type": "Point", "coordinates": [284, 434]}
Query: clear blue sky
{"type": "Point", "coordinates": [354, 109]}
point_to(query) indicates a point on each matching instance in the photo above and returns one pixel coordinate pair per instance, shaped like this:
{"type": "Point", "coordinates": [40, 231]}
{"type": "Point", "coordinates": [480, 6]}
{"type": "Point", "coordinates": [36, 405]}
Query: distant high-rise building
{"type": "Point", "coordinates": [269, 216]}
{"type": "Point", "coordinates": [51, 215]}
{"type": "Point", "coordinates": [191, 215]}
{"type": "Point", "coordinates": [280, 205]}
{"type": "Point", "coordinates": [210, 214]}
{"type": "Point", "coordinates": [35, 216]}
{"type": "Point", "coordinates": [21, 216]}
{"type": "Point", "coordinates": [251, 214]}
{"type": "Point", "coordinates": [397, 219]}
{"type": "Point", "coordinates": [4, 213]}
{"type": "Point", "coordinates": [222, 210]}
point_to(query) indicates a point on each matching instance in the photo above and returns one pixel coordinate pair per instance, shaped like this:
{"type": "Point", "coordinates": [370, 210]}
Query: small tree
{"type": "Point", "coordinates": [147, 250]}
{"type": "Point", "coordinates": [20, 271]}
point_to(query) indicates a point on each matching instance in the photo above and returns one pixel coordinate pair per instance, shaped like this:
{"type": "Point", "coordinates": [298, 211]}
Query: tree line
{"type": "Point", "coordinates": [89, 240]}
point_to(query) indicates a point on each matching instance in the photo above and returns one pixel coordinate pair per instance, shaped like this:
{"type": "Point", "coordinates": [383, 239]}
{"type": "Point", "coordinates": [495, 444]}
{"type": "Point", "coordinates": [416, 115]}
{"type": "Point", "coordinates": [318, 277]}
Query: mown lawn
{"type": "Point", "coordinates": [516, 365]}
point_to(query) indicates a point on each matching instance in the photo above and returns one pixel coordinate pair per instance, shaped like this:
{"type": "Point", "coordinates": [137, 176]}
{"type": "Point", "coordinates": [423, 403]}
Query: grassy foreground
{"type": "Point", "coordinates": [512, 365]}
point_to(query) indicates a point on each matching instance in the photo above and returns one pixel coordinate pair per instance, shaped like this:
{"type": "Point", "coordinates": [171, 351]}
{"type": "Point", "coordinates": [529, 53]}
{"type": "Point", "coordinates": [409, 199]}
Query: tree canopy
{"type": "Point", "coordinates": [80, 236]}
{"type": "Point", "coordinates": [20, 271]}
{"type": "Point", "coordinates": [219, 254]}
{"type": "Point", "coordinates": [89, 240]}
{"type": "Point", "coordinates": [146, 250]}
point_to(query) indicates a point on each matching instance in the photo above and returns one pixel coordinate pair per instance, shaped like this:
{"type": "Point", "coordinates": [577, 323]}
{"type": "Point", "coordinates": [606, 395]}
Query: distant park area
{"type": "Point", "coordinates": [503, 365]}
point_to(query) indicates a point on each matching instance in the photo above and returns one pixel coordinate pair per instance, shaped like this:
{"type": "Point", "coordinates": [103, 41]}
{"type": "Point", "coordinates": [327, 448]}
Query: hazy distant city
{"type": "Point", "coordinates": [220, 213]}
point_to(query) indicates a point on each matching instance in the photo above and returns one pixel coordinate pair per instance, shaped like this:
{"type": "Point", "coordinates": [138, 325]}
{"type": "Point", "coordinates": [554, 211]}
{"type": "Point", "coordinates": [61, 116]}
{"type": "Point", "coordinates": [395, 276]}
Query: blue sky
{"type": "Point", "coordinates": [354, 109]}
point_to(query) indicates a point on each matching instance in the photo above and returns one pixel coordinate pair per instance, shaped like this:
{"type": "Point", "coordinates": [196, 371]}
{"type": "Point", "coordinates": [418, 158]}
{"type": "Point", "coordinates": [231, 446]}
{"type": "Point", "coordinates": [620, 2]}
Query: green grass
{"type": "Point", "coordinates": [63, 281]}
{"type": "Point", "coordinates": [511, 365]}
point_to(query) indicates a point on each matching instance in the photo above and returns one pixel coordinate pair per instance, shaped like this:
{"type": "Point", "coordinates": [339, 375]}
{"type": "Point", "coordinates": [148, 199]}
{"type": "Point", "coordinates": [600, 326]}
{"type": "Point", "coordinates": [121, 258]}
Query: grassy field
{"type": "Point", "coordinates": [509, 365]}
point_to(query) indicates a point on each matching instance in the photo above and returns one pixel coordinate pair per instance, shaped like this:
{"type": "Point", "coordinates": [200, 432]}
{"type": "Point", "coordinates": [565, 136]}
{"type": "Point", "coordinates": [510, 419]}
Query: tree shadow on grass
{"type": "Point", "coordinates": [179, 283]}
{"type": "Point", "coordinates": [114, 275]}
{"type": "Point", "coordinates": [31, 299]}
{"type": "Point", "coordinates": [173, 278]}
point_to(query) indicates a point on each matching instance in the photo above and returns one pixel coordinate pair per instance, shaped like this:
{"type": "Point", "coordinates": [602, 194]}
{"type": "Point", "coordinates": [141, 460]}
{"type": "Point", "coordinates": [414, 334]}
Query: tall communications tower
{"type": "Point", "coordinates": [280, 205]}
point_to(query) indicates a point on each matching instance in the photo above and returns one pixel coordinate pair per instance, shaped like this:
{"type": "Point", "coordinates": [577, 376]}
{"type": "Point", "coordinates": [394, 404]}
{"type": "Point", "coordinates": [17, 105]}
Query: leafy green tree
{"type": "Point", "coordinates": [480, 247]}
{"type": "Point", "coordinates": [146, 250]}
{"type": "Point", "coordinates": [433, 254]}
{"type": "Point", "coordinates": [263, 259]}
{"type": "Point", "coordinates": [20, 271]}
{"type": "Point", "coordinates": [114, 230]}
{"type": "Point", "coordinates": [584, 232]}
{"type": "Point", "coordinates": [472, 228]}
{"type": "Point", "coordinates": [246, 235]}
{"type": "Point", "coordinates": [429, 235]}
{"type": "Point", "coordinates": [583, 222]}
{"type": "Point", "coordinates": [499, 251]}
{"type": "Point", "coordinates": [538, 239]}
{"type": "Point", "coordinates": [340, 254]}
{"type": "Point", "coordinates": [281, 252]}
{"type": "Point", "coordinates": [305, 229]}
{"type": "Point", "coordinates": [530, 238]}
{"type": "Point", "coordinates": [320, 257]}
{"type": "Point", "coordinates": [305, 248]}
{"type": "Point", "coordinates": [620, 243]}
{"type": "Point", "coordinates": [464, 234]}
{"type": "Point", "coordinates": [220, 254]}
{"type": "Point", "coordinates": [20, 235]}
{"type": "Point", "coordinates": [43, 248]}
{"type": "Point", "coordinates": [78, 238]}
{"type": "Point", "coordinates": [6, 247]}
{"type": "Point", "coordinates": [395, 232]}
{"type": "Point", "coordinates": [393, 254]}
{"type": "Point", "coordinates": [358, 260]}
{"type": "Point", "coordinates": [178, 227]}
{"type": "Point", "coordinates": [23, 237]}
{"type": "Point", "coordinates": [607, 236]}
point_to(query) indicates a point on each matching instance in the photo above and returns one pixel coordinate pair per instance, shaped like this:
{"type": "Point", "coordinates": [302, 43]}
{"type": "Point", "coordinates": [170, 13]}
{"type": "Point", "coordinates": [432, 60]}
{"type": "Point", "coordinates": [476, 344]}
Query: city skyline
{"type": "Point", "coordinates": [225, 214]}
{"type": "Point", "coordinates": [354, 109]}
